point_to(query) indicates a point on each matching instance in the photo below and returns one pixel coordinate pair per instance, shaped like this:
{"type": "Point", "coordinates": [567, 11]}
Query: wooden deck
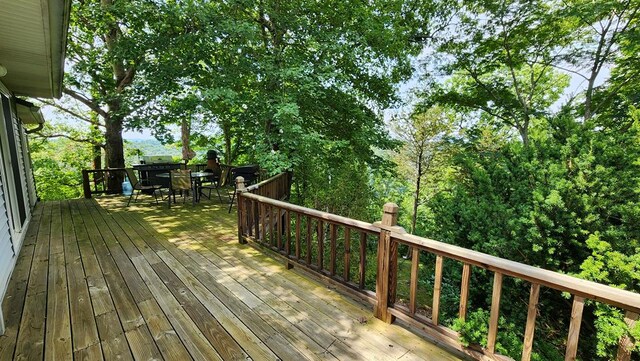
{"type": "Point", "coordinates": [96, 280]}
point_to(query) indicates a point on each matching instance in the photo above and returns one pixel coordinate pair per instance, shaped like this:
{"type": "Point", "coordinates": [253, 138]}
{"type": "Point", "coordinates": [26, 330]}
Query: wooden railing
{"type": "Point", "coordinates": [95, 181]}
{"type": "Point", "coordinates": [301, 234]}
{"type": "Point", "coordinates": [307, 237]}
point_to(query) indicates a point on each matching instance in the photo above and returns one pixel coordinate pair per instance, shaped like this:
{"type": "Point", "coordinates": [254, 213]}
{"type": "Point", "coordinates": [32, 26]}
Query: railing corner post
{"type": "Point", "coordinates": [240, 187]}
{"type": "Point", "coordinates": [387, 265]}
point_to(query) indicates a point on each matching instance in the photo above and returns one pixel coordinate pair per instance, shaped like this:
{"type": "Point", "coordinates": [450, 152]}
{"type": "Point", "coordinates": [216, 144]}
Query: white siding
{"type": "Point", "coordinates": [15, 208]}
{"type": "Point", "coordinates": [7, 253]}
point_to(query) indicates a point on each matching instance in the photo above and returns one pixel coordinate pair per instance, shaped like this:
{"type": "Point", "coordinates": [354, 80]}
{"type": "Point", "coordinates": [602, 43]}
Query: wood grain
{"type": "Point", "coordinates": [413, 282]}
{"type": "Point", "coordinates": [464, 290]}
{"type": "Point", "coordinates": [437, 286]}
{"type": "Point", "coordinates": [30, 343]}
{"type": "Point", "coordinates": [574, 328]}
{"type": "Point", "coordinates": [532, 313]}
{"type": "Point", "coordinates": [495, 312]}
{"type": "Point", "coordinates": [192, 287]}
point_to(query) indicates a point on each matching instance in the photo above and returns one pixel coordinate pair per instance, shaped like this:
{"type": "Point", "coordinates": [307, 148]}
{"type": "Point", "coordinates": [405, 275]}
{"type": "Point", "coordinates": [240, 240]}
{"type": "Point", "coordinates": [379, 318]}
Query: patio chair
{"type": "Point", "coordinates": [141, 186]}
{"type": "Point", "coordinates": [180, 181]}
{"type": "Point", "coordinates": [250, 173]}
{"type": "Point", "coordinates": [212, 182]}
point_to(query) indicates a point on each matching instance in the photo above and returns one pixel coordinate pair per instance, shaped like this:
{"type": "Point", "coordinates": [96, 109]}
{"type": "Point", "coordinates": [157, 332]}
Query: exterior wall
{"type": "Point", "coordinates": [17, 191]}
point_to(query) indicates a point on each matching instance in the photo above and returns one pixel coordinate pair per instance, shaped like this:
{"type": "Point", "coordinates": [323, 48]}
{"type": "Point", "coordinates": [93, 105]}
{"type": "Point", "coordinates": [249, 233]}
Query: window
{"type": "Point", "coordinates": [9, 147]}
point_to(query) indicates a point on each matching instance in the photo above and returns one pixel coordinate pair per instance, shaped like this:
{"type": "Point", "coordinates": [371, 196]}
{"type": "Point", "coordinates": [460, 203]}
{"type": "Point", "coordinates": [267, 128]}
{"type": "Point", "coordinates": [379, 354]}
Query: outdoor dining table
{"type": "Point", "coordinates": [196, 179]}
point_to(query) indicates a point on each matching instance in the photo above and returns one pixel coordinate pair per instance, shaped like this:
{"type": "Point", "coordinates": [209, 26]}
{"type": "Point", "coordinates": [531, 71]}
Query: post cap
{"type": "Point", "coordinates": [390, 208]}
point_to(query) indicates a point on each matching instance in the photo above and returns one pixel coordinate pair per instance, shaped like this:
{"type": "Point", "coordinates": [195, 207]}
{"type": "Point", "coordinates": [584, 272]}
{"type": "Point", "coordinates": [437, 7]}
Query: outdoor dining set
{"type": "Point", "coordinates": [186, 182]}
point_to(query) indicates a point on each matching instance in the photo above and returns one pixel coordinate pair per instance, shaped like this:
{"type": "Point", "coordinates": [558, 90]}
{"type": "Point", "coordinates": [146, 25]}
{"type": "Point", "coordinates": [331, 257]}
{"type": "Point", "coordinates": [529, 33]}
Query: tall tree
{"type": "Point", "coordinates": [601, 28]}
{"type": "Point", "coordinates": [108, 44]}
{"type": "Point", "coordinates": [300, 83]}
{"type": "Point", "coordinates": [500, 69]}
{"type": "Point", "coordinates": [424, 135]}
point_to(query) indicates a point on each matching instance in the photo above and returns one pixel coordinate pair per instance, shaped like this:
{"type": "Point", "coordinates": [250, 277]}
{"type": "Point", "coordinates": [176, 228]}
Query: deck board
{"type": "Point", "coordinates": [99, 281]}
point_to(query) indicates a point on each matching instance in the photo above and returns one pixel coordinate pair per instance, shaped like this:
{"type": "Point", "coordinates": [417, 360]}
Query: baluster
{"type": "Point", "coordinates": [464, 290]}
{"type": "Point", "coordinates": [437, 285]}
{"type": "Point", "coordinates": [263, 216]}
{"type": "Point", "coordinates": [625, 345]}
{"type": "Point", "coordinates": [574, 328]}
{"type": "Point", "coordinates": [495, 312]}
{"type": "Point", "coordinates": [256, 219]}
{"type": "Point", "coordinates": [413, 288]}
{"type": "Point", "coordinates": [309, 220]}
{"type": "Point", "coordinates": [320, 245]}
{"type": "Point", "coordinates": [297, 236]}
{"type": "Point", "coordinates": [332, 254]}
{"type": "Point", "coordinates": [278, 220]}
{"type": "Point", "coordinates": [272, 238]}
{"type": "Point", "coordinates": [287, 225]}
{"type": "Point", "coordinates": [363, 257]}
{"type": "Point", "coordinates": [241, 221]}
{"type": "Point", "coordinates": [248, 204]}
{"type": "Point", "coordinates": [347, 254]}
{"type": "Point", "coordinates": [532, 312]}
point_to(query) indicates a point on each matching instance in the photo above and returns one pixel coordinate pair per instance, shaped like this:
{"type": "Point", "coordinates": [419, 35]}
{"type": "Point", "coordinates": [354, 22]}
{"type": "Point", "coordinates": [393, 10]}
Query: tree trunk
{"type": "Point", "coordinates": [97, 157]}
{"type": "Point", "coordinates": [416, 197]}
{"type": "Point", "coordinates": [524, 133]}
{"type": "Point", "coordinates": [187, 153]}
{"type": "Point", "coordinates": [114, 152]}
{"type": "Point", "coordinates": [416, 200]}
{"type": "Point", "coordinates": [96, 149]}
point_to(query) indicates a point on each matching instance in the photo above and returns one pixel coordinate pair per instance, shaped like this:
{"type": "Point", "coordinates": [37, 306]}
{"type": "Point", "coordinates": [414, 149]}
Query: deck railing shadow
{"type": "Point", "coordinates": [315, 240]}
{"type": "Point", "coordinates": [191, 234]}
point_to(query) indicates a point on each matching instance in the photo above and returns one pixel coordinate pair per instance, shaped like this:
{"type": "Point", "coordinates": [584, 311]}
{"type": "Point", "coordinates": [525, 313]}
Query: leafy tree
{"type": "Point", "coordinates": [424, 136]}
{"type": "Point", "coordinates": [57, 166]}
{"type": "Point", "coordinates": [110, 48]}
{"type": "Point", "coordinates": [602, 28]}
{"type": "Point", "coordinates": [497, 67]}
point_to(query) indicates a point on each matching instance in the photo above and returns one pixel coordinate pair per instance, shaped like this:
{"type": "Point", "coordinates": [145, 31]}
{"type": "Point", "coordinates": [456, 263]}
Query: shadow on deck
{"type": "Point", "coordinates": [95, 280]}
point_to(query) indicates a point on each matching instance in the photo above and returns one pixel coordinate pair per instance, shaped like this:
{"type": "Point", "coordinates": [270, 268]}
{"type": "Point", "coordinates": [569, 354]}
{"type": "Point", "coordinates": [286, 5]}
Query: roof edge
{"type": "Point", "coordinates": [59, 14]}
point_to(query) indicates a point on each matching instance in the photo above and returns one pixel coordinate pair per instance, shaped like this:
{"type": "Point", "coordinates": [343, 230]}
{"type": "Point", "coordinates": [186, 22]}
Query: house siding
{"type": "Point", "coordinates": [7, 253]}
{"type": "Point", "coordinates": [16, 190]}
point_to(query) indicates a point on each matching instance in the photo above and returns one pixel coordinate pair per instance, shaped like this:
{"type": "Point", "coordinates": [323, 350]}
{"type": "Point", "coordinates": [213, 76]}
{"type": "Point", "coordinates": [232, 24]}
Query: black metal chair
{"type": "Point", "coordinates": [140, 187]}
{"type": "Point", "coordinates": [212, 182]}
{"type": "Point", "coordinates": [250, 173]}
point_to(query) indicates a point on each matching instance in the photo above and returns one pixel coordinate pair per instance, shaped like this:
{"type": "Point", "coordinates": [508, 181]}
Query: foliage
{"type": "Point", "coordinates": [565, 195]}
{"type": "Point", "coordinates": [57, 166]}
{"type": "Point", "coordinates": [424, 136]}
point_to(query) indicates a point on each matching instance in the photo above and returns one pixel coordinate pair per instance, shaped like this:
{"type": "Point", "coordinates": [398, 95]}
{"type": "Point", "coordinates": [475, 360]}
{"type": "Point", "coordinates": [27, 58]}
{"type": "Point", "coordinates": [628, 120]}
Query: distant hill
{"type": "Point", "coordinates": [151, 147]}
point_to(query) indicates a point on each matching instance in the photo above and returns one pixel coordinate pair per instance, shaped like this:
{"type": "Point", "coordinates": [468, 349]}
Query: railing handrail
{"type": "Point", "coordinates": [624, 299]}
{"type": "Point", "coordinates": [315, 213]}
{"type": "Point", "coordinates": [268, 221]}
{"type": "Point", "coordinates": [264, 182]}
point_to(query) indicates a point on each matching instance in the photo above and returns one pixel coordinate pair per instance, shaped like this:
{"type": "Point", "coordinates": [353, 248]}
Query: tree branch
{"type": "Point", "coordinates": [71, 112]}
{"type": "Point", "coordinates": [90, 103]}
{"type": "Point", "coordinates": [66, 136]}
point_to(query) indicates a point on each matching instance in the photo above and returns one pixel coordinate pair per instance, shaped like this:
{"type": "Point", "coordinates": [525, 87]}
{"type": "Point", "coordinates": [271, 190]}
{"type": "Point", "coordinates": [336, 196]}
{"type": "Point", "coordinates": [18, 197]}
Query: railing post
{"type": "Point", "coordinates": [86, 186]}
{"type": "Point", "coordinates": [240, 187]}
{"type": "Point", "coordinates": [625, 345]}
{"type": "Point", "coordinates": [387, 265]}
